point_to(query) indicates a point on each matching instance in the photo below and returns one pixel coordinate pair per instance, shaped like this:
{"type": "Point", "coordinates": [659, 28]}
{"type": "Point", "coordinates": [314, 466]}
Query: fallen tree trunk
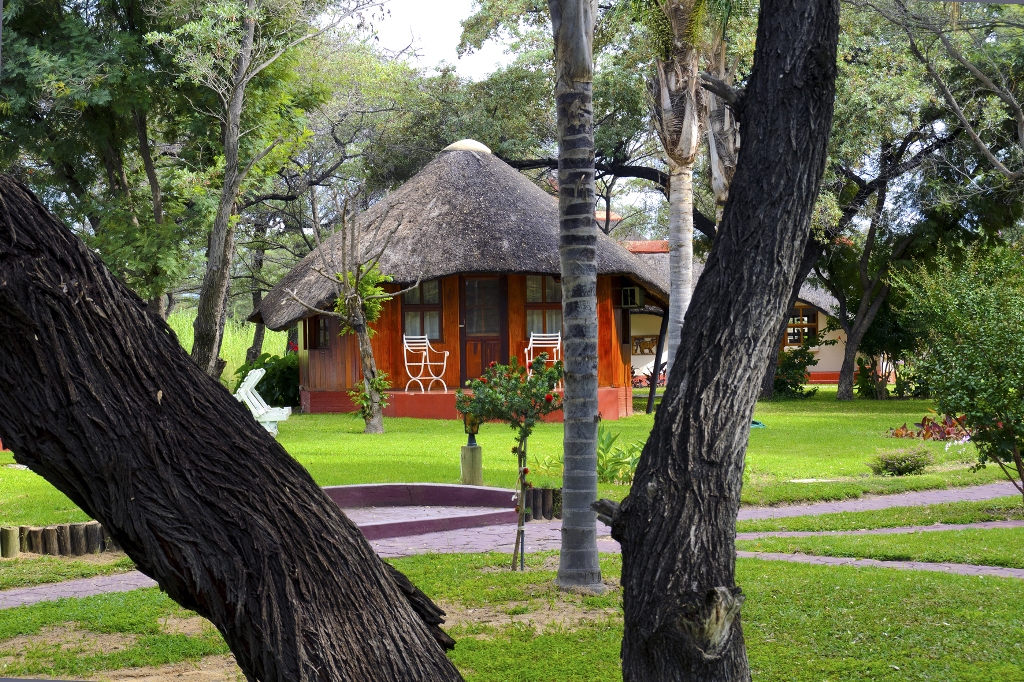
{"type": "Point", "coordinates": [97, 396]}
{"type": "Point", "coordinates": [678, 524]}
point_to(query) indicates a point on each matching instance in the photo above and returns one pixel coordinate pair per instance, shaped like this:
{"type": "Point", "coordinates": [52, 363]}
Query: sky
{"type": "Point", "coordinates": [433, 28]}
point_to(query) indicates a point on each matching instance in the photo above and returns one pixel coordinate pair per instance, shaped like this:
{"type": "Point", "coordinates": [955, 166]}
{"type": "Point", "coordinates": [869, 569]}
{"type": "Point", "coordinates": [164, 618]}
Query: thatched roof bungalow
{"type": "Point", "coordinates": [483, 241]}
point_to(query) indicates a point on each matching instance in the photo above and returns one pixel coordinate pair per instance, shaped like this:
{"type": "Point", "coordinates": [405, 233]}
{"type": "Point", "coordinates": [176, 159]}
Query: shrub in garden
{"type": "Point", "coordinates": [518, 396]}
{"type": "Point", "coordinates": [948, 428]}
{"type": "Point", "coordinates": [791, 374]}
{"type": "Point", "coordinates": [971, 317]}
{"type": "Point", "coordinates": [615, 464]}
{"type": "Point", "coordinates": [280, 385]}
{"type": "Point", "coordinates": [902, 462]}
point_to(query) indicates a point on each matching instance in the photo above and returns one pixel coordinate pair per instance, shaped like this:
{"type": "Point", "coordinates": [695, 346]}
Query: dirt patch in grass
{"type": "Point", "coordinates": [541, 615]}
{"type": "Point", "coordinates": [196, 626]}
{"type": "Point", "coordinates": [209, 669]}
{"type": "Point", "coordinates": [68, 638]}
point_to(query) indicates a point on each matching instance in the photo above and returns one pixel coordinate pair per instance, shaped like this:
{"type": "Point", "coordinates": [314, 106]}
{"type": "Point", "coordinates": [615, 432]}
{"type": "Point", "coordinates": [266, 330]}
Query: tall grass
{"type": "Point", "coordinates": [237, 339]}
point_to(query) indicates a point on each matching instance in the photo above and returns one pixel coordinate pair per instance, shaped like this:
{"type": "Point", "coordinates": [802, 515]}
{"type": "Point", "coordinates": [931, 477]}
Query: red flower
{"type": "Point", "coordinates": [526, 470]}
{"type": "Point", "coordinates": [483, 380]}
{"type": "Point", "coordinates": [292, 346]}
{"type": "Point", "coordinates": [549, 397]}
{"type": "Point", "coordinates": [492, 364]}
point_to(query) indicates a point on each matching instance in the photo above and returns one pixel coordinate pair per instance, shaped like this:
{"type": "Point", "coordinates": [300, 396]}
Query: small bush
{"type": "Point", "coordinates": [615, 464]}
{"type": "Point", "coordinates": [902, 462]}
{"type": "Point", "coordinates": [280, 385]}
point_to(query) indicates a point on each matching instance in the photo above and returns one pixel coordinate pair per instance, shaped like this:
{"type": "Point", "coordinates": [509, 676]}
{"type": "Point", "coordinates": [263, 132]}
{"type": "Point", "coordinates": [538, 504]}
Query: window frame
{"type": "Point", "coordinates": [321, 334]}
{"type": "Point", "coordinates": [543, 304]}
{"type": "Point", "coordinates": [800, 326]}
{"type": "Point", "coordinates": [421, 308]}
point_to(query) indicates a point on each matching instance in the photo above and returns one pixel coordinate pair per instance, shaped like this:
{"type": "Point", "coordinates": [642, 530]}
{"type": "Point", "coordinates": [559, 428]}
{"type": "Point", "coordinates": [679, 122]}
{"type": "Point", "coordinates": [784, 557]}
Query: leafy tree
{"type": "Point", "coordinates": [518, 396]}
{"type": "Point", "coordinates": [87, 105]}
{"type": "Point", "coordinates": [230, 47]}
{"type": "Point", "coordinates": [972, 56]}
{"type": "Point", "coordinates": [970, 313]}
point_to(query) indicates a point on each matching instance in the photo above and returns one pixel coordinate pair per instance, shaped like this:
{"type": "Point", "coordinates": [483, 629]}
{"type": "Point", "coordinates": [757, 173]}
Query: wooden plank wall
{"type": "Point", "coordinates": [609, 353]}
{"type": "Point", "coordinates": [517, 339]}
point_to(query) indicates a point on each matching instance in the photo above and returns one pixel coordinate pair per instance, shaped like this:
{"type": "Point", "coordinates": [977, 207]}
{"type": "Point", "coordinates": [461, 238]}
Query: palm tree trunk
{"type": "Point", "coordinates": [573, 29]}
{"type": "Point", "coordinates": [677, 526]}
{"type": "Point", "coordinates": [680, 254]}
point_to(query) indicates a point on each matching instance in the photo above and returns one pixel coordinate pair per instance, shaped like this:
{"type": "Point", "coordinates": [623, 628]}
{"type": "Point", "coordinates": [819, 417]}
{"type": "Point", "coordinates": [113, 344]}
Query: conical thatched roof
{"type": "Point", "coordinates": [467, 211]}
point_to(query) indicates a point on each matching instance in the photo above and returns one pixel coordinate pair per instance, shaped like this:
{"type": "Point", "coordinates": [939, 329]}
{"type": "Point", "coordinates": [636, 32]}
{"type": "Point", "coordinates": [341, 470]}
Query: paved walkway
{"type": "Point", "coordinates": [976, 493]}
{"type": "Point", "coordinates": [86, 587]}
{"type": "Point", "coordinates": [982, 525]}
{"type": "Point", "coordinates": [960, 569]}
{"type": "Point", "coordinates": [546, 535]}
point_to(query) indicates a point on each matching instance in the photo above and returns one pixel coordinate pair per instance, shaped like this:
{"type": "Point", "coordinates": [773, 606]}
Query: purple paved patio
{"type": "Point", "coordinates": [546, 535]}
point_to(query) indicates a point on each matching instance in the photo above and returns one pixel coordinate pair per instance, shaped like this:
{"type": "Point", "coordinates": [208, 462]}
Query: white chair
{"type": "Point", "coordinates": [544, 343]}
{"type": "Point", "coordinates": [418, 358]}
{"type": "Point", "coordinates": [266, 415]}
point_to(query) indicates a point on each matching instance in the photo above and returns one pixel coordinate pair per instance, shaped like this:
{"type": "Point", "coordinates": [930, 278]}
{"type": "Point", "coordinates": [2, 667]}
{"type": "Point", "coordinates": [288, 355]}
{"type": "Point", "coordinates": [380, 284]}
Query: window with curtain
{"type": "Point", "coordinates": [543, 305]}
{"type": "Point", "coordinates": [421, 311]}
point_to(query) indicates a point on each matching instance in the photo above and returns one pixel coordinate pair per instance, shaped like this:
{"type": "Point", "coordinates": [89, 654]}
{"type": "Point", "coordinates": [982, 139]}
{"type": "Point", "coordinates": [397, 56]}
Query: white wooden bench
{"type": "Point", "coordinates": [266, 415]}
{"type": "Point", "coordinates": [418, 358]}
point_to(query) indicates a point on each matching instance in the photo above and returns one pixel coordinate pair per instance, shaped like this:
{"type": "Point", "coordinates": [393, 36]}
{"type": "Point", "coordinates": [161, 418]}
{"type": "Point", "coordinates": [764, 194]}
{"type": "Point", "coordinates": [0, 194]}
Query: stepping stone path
{"type": "Point", "coordinates": [546, 535]}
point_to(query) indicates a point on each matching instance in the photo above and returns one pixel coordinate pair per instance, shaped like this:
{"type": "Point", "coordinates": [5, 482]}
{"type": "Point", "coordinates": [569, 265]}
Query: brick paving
{"type": "Point", "coordinates": [546, 535]}
{"type": "Point", "coordinates": [976, 493]}
{"type": "Point", "coordinates": [960, 569]}
{"type": "Point", "coordinates": [85, 587]}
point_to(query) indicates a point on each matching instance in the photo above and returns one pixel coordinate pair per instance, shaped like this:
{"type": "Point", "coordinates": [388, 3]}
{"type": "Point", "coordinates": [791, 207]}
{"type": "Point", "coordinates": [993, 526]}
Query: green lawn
{"type": "Point", "coordinates": [989, 547]}
{"type": "Point", "coordinates": [802, 624]}
{"type": "Point", "coordinates": [816, 438]}
{"type": "Point", "coordinates": [141, 622]}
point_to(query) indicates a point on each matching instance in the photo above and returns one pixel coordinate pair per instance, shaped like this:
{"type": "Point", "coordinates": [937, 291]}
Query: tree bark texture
{"type": "Point", "coordinates": [375, 420]}
{"type": "Point", "coordinates": [677, 526]}
{"type": "Point", "coordinates": [573, 29]}
{"type": "Point", "coordinates": [97, 396]}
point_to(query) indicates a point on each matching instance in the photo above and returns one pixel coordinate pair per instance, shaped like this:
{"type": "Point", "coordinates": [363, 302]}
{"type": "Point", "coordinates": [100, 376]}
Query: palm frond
{"type": "Point", "coordinates": [651, 15]}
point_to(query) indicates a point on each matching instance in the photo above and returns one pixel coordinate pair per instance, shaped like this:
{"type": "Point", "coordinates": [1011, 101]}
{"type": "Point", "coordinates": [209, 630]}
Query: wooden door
{"type": "Point", "coordinates": [483, 323]}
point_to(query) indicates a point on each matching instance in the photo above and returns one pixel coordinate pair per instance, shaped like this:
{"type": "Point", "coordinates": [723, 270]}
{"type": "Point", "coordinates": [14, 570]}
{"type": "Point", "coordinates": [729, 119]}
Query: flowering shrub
{"type": "Point", "coordinates": [511, 394]}
{"type": "Point", "coordinates": [518, 396]}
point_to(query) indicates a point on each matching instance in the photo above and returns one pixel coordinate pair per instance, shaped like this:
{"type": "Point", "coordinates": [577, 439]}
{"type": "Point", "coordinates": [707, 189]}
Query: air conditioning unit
{"type": "Point", "coordinates": [632, 297]}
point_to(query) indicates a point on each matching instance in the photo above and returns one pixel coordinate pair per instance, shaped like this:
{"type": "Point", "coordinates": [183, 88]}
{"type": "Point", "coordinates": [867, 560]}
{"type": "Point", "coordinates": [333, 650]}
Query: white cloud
{"type": "Point", "coordinates": [434, 29]}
